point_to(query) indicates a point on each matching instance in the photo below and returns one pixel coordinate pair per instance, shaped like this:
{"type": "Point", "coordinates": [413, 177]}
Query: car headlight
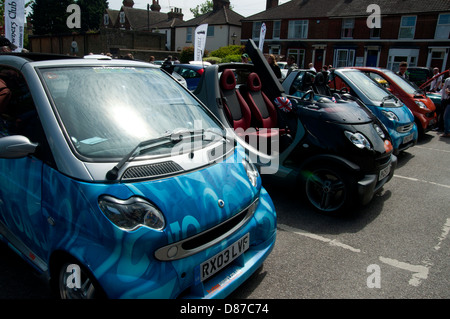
{"type": "Point", "coordinates": [252, 172]}
{"type": "Point", "coordinates": [390, 115]}
{"type": "Point", "coordinates": [131, 213]}
{"type": "Point", "coordinates": [421, 105]}
{"type": "Point", "coordinates": [358, 140]}
{"type": "Point", "coordinates": [379, 131]}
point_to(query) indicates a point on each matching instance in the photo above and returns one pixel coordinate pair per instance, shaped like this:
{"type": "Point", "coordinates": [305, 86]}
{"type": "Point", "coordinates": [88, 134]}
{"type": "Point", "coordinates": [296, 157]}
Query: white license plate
{"type": "Point", "coordinates": [384, 172]}
{"type": "Point", "coordinates": [408, 138]}
{"type": "Point", "coordinates": [224, 258]}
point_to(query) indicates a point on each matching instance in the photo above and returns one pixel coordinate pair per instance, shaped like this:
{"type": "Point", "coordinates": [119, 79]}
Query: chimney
{"type": "Point", "coordinates": [128, 3]}
{"type": "Point", "coordinates": [271, 4]}
{"type": "Point", "coordinates": [155, 6]}
{"type": "Point", "coordinates": [175, 13]}
{"type": "Point", "coordinates": [219, 4]}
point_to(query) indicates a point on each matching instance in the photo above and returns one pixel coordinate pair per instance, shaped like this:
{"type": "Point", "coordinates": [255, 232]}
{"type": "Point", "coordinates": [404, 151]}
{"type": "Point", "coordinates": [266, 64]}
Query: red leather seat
{"type": "Point", "coordinates": [237, 109]}
{"type": "Point", "coordinates": [263, 110]}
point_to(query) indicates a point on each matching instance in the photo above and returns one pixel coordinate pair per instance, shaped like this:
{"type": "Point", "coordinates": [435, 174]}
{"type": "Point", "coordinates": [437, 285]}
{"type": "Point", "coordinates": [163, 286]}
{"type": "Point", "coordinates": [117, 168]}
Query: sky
{"type": "Point", "coordinates": [243, 7]}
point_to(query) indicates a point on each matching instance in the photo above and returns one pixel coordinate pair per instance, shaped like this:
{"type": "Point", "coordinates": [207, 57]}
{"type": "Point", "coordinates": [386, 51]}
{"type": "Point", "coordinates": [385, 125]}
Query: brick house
{"type": "Point", "coordinates": [337, 33]}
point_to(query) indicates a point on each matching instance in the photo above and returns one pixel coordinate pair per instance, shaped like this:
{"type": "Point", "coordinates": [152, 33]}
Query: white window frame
{"type": "Point", "coordinates": [347, 24]}
{"type": "Point", "coordinates": [276, 29]}
{"type": "Point", "coordinates": [298, 25]}
{"type": "Point", "coordinates": [442, 26]}
{"type": "Point", "coordinates": [349, 59]}
{"type": "Point", "coordinates": [299, 56]}
{"type": "Point", "coordinates": [402, 27]}
{"type": "Point", "coordinates": [256, 30]}
{"type": "Point", "coordinates": [189, 35]}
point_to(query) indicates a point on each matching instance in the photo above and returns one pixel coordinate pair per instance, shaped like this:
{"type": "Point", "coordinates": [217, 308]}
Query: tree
{"type": "Point", "coordinates": [92, 13]}
{"type": "Point", "coordinates": [202, 8]}
{"type": "Point", "coordinates": [49, 16]}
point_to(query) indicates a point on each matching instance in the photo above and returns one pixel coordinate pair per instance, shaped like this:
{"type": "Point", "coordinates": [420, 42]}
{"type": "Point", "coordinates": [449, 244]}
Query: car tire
{"type": "Point", "coordinates": [89, 288]}
{"type": "Point", "coordinates": [328, 189]}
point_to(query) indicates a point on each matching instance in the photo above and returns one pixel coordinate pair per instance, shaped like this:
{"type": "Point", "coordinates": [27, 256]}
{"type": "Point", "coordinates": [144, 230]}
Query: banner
{"type": "Point", "coordinates": [14, 22]}
{"type": "Point", "coordinates": [200, 41]}
{"type": "Point", "coordinates": [262, 36]}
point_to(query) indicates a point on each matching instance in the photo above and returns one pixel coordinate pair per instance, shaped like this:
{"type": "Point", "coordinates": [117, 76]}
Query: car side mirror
{"type": "Point", "coordinates": [16, 146]}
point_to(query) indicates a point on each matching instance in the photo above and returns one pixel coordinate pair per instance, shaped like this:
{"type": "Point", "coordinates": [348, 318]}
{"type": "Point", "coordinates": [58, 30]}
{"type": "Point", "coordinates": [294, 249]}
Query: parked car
{"type": "Point", "coordinates": [337, 154]}
{"type": "Point", "coordinates": [191, 73]}
{"type": "Point", "coordinates": [116, 181]}
{"type": "Point", "coordinates": [415, 99]}
{"type": "Point", "coordinates": [419, 74]}
{"type": "Point", "coordinates": [396, 117]}
{"type": "Point", "coordinates": [435, 96]}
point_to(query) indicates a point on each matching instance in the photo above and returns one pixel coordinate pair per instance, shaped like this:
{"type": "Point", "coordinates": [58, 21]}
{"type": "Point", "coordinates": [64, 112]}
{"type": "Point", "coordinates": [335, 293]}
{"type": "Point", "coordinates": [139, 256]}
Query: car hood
{"type": "Point", "coordinates": [190, 202]}
{"type": "Point", "coordinates": [344, 112]}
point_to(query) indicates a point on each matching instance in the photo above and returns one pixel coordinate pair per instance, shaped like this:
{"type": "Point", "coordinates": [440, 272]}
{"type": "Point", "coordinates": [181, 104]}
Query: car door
{"type": "Point", "coordinates": [21, 219]}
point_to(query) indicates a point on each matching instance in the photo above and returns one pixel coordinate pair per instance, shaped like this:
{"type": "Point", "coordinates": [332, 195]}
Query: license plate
{"type": "Point", "coordinates": [384, 172]}
{"type": "Point", "coordinates": [223, 259]}
{"type": "Point", "coordinates": [408, 138]}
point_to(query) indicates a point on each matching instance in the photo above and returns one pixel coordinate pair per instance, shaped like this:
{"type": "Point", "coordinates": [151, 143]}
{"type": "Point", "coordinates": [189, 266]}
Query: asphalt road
{"type": "Point", "coordinates": [397, 247]}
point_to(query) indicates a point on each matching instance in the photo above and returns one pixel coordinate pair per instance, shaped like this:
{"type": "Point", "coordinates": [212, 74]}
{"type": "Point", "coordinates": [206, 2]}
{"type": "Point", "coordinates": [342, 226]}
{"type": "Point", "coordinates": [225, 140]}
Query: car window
{"type": "Point", "coordinates": [366, 85]}
{"type": "Point", "coordinates": [379, 79]}
{"type": "Point", "coordinates": [18, 114]}
{"type": "Point", "coordinates": [107, 111]}
{"type": "Point", "coordinates": [401, 82]}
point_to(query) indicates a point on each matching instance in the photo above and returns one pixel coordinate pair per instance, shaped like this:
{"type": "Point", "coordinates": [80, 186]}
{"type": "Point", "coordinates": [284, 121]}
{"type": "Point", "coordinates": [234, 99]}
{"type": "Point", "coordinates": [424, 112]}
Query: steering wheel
{"type": "Point", "coordinates": [343, 90]}
{"type": "Point", "coordinates": [311, 95]}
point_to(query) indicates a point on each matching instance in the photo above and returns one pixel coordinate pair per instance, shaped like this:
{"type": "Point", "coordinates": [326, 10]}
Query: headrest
{"type": "Point", "coordinates": [227, 80]}
{"type": "Point", "coordinates": [253, 82]}
{"type": "Point", "coordinates": [307, 79]}
{"type": "Point", "coordinates": [320, 79]}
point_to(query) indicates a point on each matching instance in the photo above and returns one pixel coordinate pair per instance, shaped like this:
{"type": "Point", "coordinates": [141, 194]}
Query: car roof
{"type": "Point", "coordinates": [44, 60]}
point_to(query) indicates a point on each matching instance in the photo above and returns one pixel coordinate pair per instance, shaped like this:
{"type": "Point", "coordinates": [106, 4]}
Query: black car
{"type": "Point", "coordinates": [334, 150]}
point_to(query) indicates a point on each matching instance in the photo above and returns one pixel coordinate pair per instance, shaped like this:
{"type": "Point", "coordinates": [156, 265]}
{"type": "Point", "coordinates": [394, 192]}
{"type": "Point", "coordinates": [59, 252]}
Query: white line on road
{"type": "Point", "coordinates": [431, 149]}
{"type": "Point", "coordinates": [445, 232]}
{"type": "Point", "coordinates": [421, 180]}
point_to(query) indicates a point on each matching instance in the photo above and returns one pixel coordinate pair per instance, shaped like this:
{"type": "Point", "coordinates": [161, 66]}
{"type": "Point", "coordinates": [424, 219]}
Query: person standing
{"type": "Point", "coordinates": [291, 65]}
{"type": "Point", "coordinates": [436, 84]}
{"type": "Point", "coordinates": [445, 109]}
{"type": "Point", "coordinates": [402, 70]}
{"type": "Point", "coordinates": [274, 65]}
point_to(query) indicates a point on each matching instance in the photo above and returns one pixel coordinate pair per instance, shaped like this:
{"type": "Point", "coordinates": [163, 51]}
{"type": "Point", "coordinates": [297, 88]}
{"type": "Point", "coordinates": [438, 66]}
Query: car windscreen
{"type": "Point", "coordinates": [107, 111]}
{"type": "Point", "coordinates": [401, 82]}
{"type": "Point", "coordinates": [369, 87]}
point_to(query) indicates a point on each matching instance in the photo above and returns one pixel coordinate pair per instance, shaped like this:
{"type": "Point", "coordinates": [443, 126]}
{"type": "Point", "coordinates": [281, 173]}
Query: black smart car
{"type": "Point", "coordinates": [335, 150]}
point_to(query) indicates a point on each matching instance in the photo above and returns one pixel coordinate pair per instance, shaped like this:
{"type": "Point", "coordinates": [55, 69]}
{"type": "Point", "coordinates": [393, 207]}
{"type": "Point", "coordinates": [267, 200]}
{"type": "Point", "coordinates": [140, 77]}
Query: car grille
{"type": "Point", "coordinates": [405, 128]}
{"type": "Point", "coordinates": [206, 239]}
{"type": "Point", "coordinates": [151, 170]}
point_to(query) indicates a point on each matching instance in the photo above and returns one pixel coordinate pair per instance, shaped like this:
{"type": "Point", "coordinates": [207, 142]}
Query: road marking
{"type": "Point", "coordinates": [445, 232]}
{"type": "Point", "coordinates": [332, 242]}
{"type": "Point", "coordinates": [421, 180]}
{"type": "Point", "coordinates": [431, 149]}
{"type": "Point", "coordinates": [419, 272]}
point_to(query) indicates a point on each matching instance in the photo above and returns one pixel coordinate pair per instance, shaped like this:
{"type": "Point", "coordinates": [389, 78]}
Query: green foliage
{"type": "Point", "coordinates": [213, 60]}
{"type": "Point", "coordinates": [232, 58]}
{"type": "Point", "coordinates": [228, 50]}
{"type": "Point", "coordinates": [202, 8]}
{"type": "Point", "coordinates": [187, 54]}
{"type": "Point", "coordinates": [92, 13]}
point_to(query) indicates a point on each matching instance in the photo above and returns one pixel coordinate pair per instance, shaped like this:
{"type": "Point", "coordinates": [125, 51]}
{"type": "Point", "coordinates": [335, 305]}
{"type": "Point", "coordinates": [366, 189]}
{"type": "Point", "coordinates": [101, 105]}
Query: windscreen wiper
{"type": "Point", "coordinates": [388, 97]}
{"type": "Point", "coordinates": [172, 138]}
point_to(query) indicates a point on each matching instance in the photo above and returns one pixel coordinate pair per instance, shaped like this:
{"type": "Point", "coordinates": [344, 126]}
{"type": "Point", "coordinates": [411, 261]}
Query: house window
{"type": "Point", "coordinates": [344, 57]}
{"type": "Point", "coordinates": [443, 27]}
{"type": "Point", "coordinates": [105, 19]}
{"type": "Point", "coordinates": [210, 31]}
{"type": "Point", "coordinates": [347, 28]}
{"type": "Point", "coordinates": [298, 29]}
{"type": "Point", "coordinates": [122, 17]}
{"type": "Point", "coordinates": [189, 35]}
{"type": "Point", "coordinates": [396, 56]}
{"type": "Point", "coordinates": [276, 29]}
{"type": "Point", "coordinates": [299, 55]}
{"type": "Point", "coordinates": [256, 30]}
{"type": "Point", "coordinates": [407, 27]}
{"type": "Point", "coordinates": [274, 49]}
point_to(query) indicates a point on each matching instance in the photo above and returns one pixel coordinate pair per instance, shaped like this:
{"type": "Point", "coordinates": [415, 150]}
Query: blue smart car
{"type": "Point", "coordinates": [395, 115]}
{"type": "Point", "coordinates": [115, 181]}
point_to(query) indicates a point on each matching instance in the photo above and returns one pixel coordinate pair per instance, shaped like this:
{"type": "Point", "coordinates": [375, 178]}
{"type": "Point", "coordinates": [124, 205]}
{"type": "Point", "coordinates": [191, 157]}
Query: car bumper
{"type": "Point", "coordinates": [404, 140]}
{"type": "Point", "coordinates": [179, 278]}
{"type": "Point", "coordinates": [370, 184]}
